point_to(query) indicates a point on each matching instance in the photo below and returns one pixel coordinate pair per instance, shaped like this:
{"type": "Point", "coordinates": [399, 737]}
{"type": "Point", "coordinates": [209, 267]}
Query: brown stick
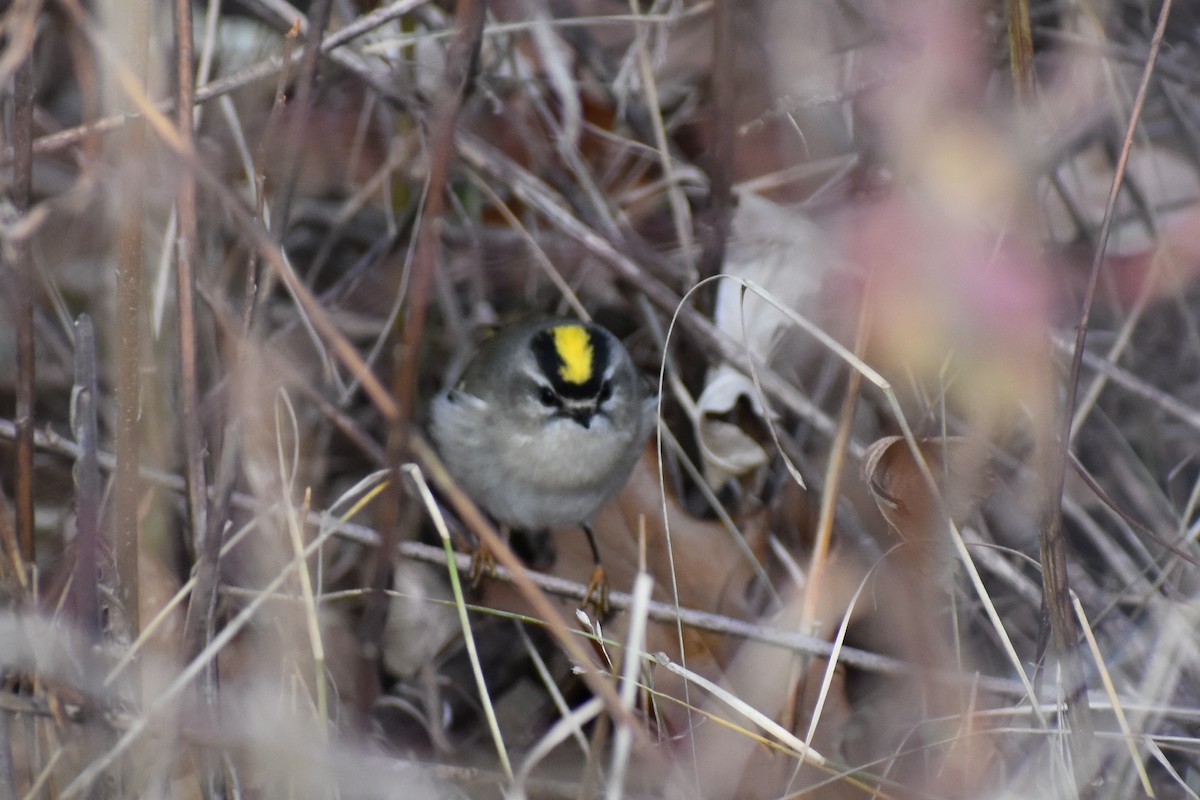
{"type": "Point", "coordinates": [1020, 49]}
{"type": "Point", "coordinates": [206, 535]}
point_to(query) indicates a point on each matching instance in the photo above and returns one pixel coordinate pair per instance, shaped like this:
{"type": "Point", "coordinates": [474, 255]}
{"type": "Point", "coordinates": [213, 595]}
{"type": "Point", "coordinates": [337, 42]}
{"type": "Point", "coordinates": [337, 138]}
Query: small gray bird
{"type": "Point", "coordinates": [544, 427]}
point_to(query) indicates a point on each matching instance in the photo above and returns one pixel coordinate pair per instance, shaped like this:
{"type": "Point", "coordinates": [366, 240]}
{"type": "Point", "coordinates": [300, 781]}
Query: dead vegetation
{"type": "Point", "coordinates": [916, 282]}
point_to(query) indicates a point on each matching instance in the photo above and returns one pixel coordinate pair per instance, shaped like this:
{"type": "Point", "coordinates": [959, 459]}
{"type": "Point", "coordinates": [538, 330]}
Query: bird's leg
{"type": "Point", "coordinates": [483, 561]}
{"type": "Point", "coordinates": [596, 597]}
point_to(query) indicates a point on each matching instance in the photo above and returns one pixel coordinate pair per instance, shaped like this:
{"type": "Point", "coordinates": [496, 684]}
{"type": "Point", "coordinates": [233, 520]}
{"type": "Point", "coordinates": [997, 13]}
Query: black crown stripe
{"type": "Point", "coordinates": [551, 364]}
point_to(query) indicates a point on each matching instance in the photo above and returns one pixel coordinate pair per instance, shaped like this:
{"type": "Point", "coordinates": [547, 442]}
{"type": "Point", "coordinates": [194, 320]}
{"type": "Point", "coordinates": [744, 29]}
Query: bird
{"type": "Point", "coordinates": [543, 428]}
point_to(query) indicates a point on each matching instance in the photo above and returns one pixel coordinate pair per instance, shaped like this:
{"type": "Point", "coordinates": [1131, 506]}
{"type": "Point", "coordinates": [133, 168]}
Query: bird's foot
{"type": "Point", "coordinates": [595, 600]}
{"type": "Point", "coordinates": [483, 562]}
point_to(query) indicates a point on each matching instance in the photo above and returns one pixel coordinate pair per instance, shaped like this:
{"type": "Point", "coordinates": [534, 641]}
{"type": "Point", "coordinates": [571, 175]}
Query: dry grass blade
{"type": "Point", "coordinates": [431, 507]}
{"type": "Point", "coordinates": [1110, 689]}
{"type": "Point", "coordinates": [630, 669]}
{"type": "Point", "coordinates": [798, 748]}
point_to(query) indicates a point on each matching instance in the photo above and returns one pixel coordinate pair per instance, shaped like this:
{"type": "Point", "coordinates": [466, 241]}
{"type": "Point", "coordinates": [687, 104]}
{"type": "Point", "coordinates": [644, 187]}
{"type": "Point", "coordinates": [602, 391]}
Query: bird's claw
{"type": "Point", "coordinates": [595, 599]}
{"type": "Point", "coordinates": [483, 562]}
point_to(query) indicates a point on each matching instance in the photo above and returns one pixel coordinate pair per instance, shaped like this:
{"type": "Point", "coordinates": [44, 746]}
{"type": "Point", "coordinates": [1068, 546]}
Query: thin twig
{"type": "Point", "coordinates": [200, 624]}
{"type": "Point", "coordinates": [297, 131]}
{"type": "Point", "coordinates": [680, 210]}
{"type": "Point", "coordinates": [1020, 50]}
{"type": "Point", "coordinates": [809, 621]}
{"type": "Point", "coordinates": [259, 292]}
{"type": "Point", "coordinates": [192, 435]}
{"type": "Point", "coordinates": [26, 369]}
{"type": "Point", "coordinates": [716, 218]}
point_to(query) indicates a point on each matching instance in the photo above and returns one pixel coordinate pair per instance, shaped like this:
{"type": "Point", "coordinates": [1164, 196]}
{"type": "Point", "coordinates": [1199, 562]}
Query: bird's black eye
{"type": "Point", "coordinates": [549, 398]}
{"type": "Point", "coordinates": [606, 392]}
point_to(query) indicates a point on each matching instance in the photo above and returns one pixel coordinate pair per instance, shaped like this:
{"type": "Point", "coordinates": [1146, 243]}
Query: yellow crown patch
{"type": "Point", "coordinates": [573, 344]}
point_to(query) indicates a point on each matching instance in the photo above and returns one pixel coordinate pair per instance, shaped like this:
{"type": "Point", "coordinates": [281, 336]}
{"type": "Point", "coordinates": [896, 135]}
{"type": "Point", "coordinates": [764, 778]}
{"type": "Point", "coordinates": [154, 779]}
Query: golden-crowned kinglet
{"type": "Point", "coordinates": [544, 427]}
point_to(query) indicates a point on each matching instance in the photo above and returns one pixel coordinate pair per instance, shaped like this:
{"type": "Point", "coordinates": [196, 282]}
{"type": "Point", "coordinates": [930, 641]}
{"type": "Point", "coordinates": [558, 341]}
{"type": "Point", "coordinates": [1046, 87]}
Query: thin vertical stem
{"type": "Point", "coordinates": [8, 772]}
{"type": "Point", "coordinates": [716, 219]}
{"type": "Point", "coordinates": [318, 20]}
{"type": "Point", "coordinates": [184, 293]}
{"type": "Point", "coordinates": [26, 372]}
{"type": "Point", "coordinates": [185, 300]}
{"type": "Point", "coordinates": [85, 589]}
{"type": "Point", "coordinates": [200, 624]}
{"type": "Point", "coordinates": [1020, 49]}
{"type": "Point", "coordinates": [130, 265]}
{"type": "Point", "coordinates": [837, 461]}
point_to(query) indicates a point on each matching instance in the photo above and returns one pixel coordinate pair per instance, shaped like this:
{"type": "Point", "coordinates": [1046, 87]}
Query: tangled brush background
{"type": "Point", "coordinates": [917, 282]}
